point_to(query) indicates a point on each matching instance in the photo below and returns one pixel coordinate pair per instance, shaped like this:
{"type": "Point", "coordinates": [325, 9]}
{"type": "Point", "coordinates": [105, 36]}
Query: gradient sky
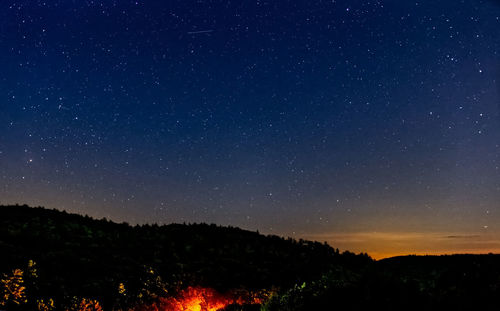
{"type": "Point", "coordinates": [373, 125]}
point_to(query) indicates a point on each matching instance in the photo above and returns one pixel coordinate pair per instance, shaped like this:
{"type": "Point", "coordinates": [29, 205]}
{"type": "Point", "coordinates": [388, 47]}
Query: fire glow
{"type": "Point", "coordinates": [201, 299]}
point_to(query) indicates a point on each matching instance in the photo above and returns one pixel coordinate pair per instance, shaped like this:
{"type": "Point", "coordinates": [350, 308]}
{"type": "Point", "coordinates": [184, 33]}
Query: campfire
{"type": "Point", "coordinates": [203, 299]}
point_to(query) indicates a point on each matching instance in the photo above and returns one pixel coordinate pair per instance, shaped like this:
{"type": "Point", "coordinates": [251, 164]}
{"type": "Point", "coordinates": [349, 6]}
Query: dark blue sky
{"type": "Point", "coordinates": [311, 119]}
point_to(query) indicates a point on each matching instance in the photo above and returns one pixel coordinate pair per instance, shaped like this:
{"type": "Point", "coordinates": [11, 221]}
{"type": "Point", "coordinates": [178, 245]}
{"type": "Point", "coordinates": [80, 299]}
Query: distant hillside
{"type": "Point", "coordinates": [77, 261]}
{"type": "Point", "coordinates": [78, 255]}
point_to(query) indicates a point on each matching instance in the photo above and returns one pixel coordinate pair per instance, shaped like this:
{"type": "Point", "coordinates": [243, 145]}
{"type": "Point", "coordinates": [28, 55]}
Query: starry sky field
{"type": "Point", "coordinates": [373, 125]}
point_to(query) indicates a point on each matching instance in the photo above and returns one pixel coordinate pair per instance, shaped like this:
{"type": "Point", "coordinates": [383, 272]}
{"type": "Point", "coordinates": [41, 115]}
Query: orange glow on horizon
{"type": "Point", "coordinates": [380, 245]}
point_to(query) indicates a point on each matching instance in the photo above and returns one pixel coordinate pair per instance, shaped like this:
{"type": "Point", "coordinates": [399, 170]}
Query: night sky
{"type": "Point", "coordinates": [373, 125]}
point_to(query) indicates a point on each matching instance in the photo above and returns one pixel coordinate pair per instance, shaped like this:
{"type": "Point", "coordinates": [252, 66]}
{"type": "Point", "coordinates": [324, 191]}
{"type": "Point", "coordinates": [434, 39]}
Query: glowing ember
{"type": "Point", "coordinates": [200, 299]}
{"type": "Point", "coordinates": [196, 299]}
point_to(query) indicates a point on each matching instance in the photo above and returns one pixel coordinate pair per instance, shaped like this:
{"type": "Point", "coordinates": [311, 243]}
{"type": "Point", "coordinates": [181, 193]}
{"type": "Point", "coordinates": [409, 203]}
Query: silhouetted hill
{"type": "Point", "coordinates": [127, 267]}
{"type": "Point", "coordinates": [78, 255]}
{"type": "Point", "coordinates": [459, 282]}
{"type": "Point", "coordinates": [453, 282]}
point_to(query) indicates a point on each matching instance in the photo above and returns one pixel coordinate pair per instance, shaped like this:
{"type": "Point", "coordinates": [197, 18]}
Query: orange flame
{"type": "Point", "coordinates": [191, 299]}
{"type": "Point", "coordinates": [198, 299]}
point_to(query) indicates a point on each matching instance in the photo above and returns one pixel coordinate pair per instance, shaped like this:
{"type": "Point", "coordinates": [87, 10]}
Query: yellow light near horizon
{"type": "Point", "coordinates": [381, 245]}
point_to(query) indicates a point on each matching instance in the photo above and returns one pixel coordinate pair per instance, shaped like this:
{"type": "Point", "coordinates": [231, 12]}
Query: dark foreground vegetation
{"type": "Point", "coordinates": [52, 260]}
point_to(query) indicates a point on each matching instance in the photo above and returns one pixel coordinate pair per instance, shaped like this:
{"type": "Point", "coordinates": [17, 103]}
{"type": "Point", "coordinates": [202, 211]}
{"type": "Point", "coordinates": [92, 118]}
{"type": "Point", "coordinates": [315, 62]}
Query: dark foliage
{"type": "Point", "coordinates": [455, 282]}
{"type": "Point", "coordinates": [82, 257]}
{"type": "Point", "coordinates": [85, 257]}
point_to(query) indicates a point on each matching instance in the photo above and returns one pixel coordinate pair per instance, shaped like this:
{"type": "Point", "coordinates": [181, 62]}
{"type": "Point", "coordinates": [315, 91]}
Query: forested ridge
{"type": "Point", "coordinates": [53, 260]}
